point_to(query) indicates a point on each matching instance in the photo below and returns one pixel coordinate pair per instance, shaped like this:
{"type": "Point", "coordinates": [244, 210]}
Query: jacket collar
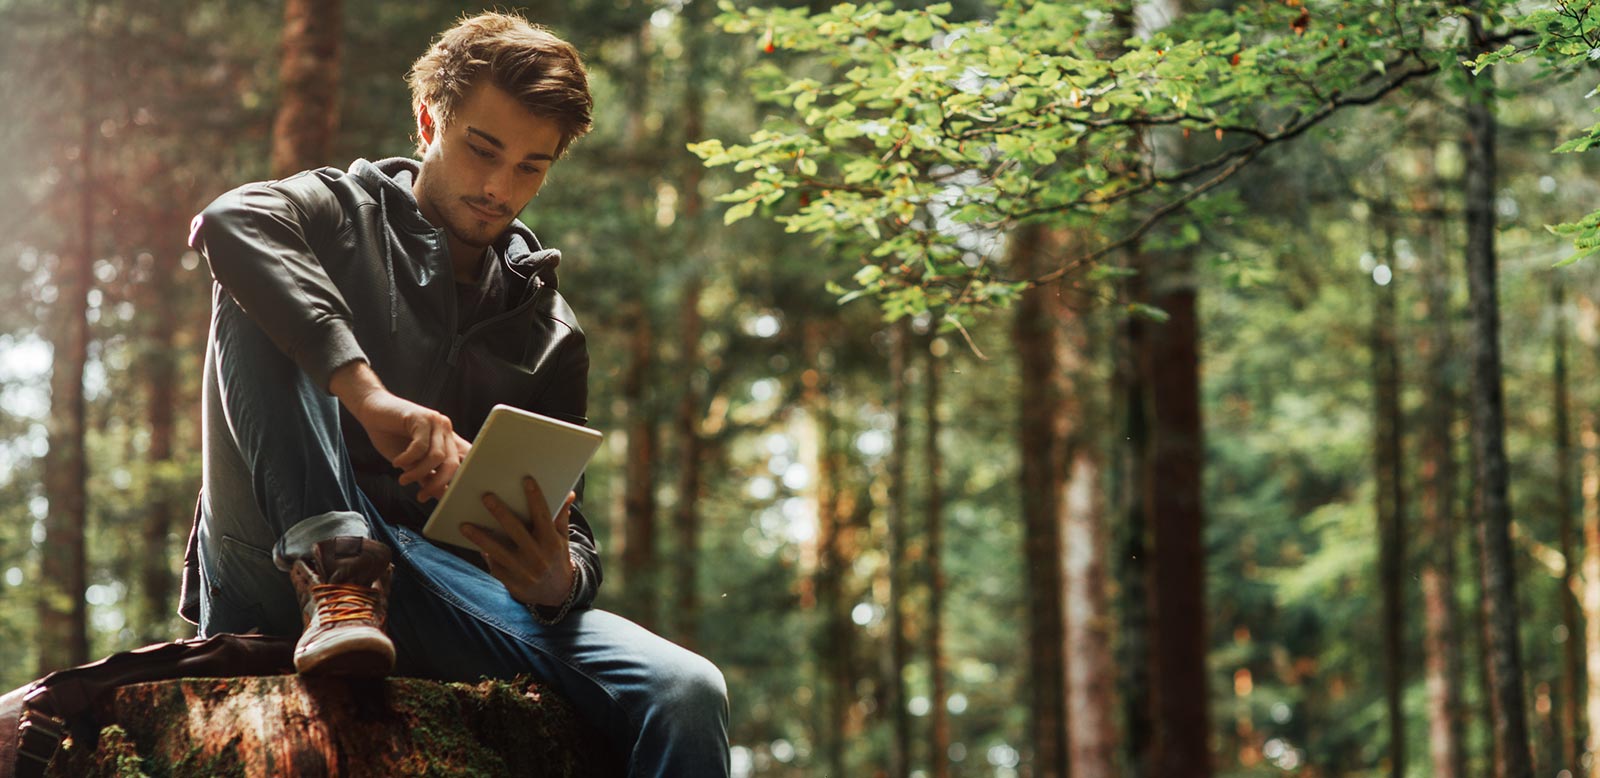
{"type": "Point", "coordinates": [394, 177]}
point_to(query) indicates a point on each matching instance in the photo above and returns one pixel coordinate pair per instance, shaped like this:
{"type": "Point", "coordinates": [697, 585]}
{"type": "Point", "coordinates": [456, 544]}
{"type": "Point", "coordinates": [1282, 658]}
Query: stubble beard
{"type": "Point", "coordinates": [459, 219]}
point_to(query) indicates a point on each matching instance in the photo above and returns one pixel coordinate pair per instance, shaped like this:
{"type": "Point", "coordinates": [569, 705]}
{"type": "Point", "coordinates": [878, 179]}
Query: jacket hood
{"type": "Point", "coordinates": [390, 180]}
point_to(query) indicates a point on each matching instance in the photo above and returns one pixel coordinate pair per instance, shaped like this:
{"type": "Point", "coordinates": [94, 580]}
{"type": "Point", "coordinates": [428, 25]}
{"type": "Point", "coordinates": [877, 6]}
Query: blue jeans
{"type": "Point", "coordinates": [278, 479]}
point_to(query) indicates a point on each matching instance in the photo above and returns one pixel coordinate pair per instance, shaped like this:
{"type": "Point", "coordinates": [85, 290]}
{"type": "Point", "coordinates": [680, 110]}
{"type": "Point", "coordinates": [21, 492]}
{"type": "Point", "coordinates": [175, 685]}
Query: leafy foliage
{"type": "Point", "coordinates": [910, 144]}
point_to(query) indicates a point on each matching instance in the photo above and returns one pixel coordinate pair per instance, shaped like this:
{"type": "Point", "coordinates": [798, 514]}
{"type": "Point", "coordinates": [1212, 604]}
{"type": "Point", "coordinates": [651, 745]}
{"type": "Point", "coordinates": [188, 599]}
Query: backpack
{"type": "Point", "coordinates": [35, 718]}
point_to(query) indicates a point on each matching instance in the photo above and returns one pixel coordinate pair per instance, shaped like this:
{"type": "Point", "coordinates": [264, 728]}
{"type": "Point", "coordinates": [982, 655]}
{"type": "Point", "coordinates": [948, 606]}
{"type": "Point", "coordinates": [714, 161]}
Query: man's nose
{"type": "Point", "coordinates": [497, 187]}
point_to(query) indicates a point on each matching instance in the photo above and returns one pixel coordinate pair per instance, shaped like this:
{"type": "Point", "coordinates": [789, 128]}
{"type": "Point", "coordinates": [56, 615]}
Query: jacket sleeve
{"type": "Point", "coordinates": [568, 399]}
{"type": "Point", "coordinates": [258, 241]}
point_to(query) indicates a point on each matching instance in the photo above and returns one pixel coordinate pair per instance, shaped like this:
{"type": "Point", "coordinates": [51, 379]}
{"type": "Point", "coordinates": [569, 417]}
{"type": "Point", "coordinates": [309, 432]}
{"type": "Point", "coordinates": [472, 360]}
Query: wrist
{"type": "Point", "coordinates": [553, 613]}
{"type": "Point", "coordinates": [356, 385]}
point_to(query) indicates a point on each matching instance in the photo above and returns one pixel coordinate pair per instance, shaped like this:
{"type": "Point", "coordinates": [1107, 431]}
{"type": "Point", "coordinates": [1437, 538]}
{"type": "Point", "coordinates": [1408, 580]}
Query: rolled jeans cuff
{"type": "Point", "coordinates": [296, 543]}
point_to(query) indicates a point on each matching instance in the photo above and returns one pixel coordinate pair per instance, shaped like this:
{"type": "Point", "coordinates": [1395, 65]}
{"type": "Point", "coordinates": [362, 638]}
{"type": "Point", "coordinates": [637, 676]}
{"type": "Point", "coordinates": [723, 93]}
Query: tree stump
{"type": "Point", "coordinates": [287, 725]}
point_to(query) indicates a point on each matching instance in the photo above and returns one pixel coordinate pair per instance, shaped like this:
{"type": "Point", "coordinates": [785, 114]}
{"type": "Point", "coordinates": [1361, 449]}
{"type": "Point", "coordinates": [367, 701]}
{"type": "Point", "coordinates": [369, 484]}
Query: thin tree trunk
{"type": "Point", "coordinates": [156, 574]}
{"type": "Point", "coordinates": [686, 518]}
{"type": "Point", "coordinates": [63, 637]}
{"type": "Point", "coordinates": [1091, 670]}
{"type": "Point", "coordinates": [308, 106]}
{"type": "Point", "coordinates": [639, 498]}
{"type": "Point", "coordinates": [1131, 468]}
{"type": "Point", "coordinates": [1133, 571]}
{"type": "Point", "coordinates": [897, 545]}
{"type": "Point", "coordinates": [639, 546]}
{"type": "Point", "coordinates": [1390, 508]}
{"type": "Point", "coordinates": [939, 742]}
{"type": "Point", "coordinates": [1038, 407]}
{"type": "Point", "coordinates": [835, 644]}
{"type": "Point", "coordinates": [1171, 363]}
{"type": "Point", "coordinates": [1488, 421]}
{"type": "Point", "coordinates": [1590, 438]}
{"type": "Point", "coordinates": [1571, 669]}
{"type": "Point", "coordinates": [687, 515]}
{"type": "Point", "coordinates": [1439, 521]}
{"type": "Point", "coordinates": [1091, 681]}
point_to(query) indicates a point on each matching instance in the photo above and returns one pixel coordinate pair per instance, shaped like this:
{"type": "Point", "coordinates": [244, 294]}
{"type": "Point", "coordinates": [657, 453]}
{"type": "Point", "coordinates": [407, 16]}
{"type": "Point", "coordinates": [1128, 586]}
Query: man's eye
{"type": "Point", "coordinates": [482, 153]}
{"type": "Point", "coordinates": [531, 170]}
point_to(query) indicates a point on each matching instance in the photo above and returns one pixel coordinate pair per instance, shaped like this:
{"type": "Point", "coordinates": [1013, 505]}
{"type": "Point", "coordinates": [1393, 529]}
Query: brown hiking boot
{"type": "Point", "coordinates": [344, 602]}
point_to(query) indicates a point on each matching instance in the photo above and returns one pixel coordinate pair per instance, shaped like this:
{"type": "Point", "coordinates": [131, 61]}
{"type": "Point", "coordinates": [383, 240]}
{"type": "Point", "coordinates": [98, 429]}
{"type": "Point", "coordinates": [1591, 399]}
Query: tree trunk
{"type": "Point", "coordinates": [638, 551]}
{"type": "Point", "coordinates": [1590, 438]}
{"type": "Point", "coordinates": [1091, 680]}
{"type": "Point", "coordinates": [836, 639]}
{"type": "Point", "coordinates": [896, 550]}
{"type": "Point", "coordinates": [1442, 654]}
{"type": "Point", "coordinates": [686, 519]}
{"type": "Point", "coordinates": [291, 725]}
{"type": "Point", "coordinates": [156, 575]}
{"type": "Point", "coordinates": [1038, 405]}
{"type": "Point", "coordinates": [308, 76]}
{"type": "Point", "coordinates": [686, 516]}
{"type": "Point", "coordinates": [639, 498]}
{"type": "Point", "coordinates": [1133, 573]}
{"type": "Point", "coordinates": [939, 742]}
{"type": "Point", "coordinates": [1571, 669]}
{"type": "Point", "coordinates": [63, 637]}
{"type": "Point", "coordinates": [1488, 421]}
{"type": "Point", "coordinates": [1171, 364]}
{"type": "Point", "coordinates": [1390, 507]}
{"type": "Point", "coordinates": [1091, 671]}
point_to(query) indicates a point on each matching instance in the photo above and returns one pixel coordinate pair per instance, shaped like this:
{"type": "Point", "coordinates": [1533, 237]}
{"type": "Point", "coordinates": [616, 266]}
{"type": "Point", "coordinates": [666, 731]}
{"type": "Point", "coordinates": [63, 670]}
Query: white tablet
{"type": "Point", "coordinates": [512, 444]}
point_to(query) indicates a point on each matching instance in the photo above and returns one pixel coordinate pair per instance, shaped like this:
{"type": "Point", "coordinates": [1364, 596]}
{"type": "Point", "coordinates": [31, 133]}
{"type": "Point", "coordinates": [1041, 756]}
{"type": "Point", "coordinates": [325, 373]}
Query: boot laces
{"type": "Point", "coordinates": [346, 602]}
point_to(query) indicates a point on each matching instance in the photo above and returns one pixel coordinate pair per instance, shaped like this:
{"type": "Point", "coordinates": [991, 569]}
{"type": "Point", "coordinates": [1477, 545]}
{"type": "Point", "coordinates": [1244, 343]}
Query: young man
{"type": "Point", "coordinates": [364, 323]}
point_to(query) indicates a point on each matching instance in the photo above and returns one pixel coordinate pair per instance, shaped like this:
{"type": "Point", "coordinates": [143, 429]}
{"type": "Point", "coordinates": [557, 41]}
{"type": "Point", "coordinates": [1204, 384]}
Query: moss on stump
{"type": "Point", "coordinates": [286, 725]}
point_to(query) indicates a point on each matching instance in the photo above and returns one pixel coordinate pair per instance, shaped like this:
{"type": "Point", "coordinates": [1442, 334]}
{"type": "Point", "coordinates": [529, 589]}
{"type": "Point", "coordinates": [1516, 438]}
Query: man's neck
{"type": "Point", "coordinates": [467, 261]}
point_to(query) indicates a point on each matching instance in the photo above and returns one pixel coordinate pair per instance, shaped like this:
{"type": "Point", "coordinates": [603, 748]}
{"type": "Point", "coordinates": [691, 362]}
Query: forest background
{"type": "Point", "coordinates": [1066, 388]}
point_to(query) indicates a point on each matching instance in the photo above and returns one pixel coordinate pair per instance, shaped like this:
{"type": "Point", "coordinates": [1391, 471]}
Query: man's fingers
{"type": "Point", "coordinates": [564, 516]}
{"type": "Point", "coordinates": [515, 529]}
{"type": "Point", "coordinates": [502, 558]}
{"type": "Point", "coordinates": [414, 451]}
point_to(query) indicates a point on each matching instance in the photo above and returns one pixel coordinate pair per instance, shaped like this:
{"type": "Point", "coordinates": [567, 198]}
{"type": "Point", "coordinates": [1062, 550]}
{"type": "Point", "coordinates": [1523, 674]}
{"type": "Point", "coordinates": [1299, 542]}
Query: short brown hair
{"type": "Point", "coordinates": [542, 71]}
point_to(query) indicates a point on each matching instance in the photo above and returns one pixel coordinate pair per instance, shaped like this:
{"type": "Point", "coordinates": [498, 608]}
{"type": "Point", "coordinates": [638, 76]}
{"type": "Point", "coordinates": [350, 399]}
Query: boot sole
{"type": "Point", "coordinates": [361, 656]}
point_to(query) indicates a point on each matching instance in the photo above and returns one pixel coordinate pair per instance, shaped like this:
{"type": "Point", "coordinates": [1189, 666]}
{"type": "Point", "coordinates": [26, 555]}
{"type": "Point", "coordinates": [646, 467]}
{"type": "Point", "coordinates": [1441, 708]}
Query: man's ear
{"type": "Point", "coordinates": [426, 127]}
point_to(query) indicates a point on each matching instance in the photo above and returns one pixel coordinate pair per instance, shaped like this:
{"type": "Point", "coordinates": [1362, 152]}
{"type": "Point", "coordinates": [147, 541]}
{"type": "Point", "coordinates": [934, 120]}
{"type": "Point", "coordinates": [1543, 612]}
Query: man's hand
{"type": "Point", "coordinates": [417, 440]}
{"type": "Point", "coordinates": [528, 556]}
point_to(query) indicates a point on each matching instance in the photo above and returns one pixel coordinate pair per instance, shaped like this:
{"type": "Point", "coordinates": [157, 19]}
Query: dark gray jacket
{"type": "Point", "coordinates": [337, 266]}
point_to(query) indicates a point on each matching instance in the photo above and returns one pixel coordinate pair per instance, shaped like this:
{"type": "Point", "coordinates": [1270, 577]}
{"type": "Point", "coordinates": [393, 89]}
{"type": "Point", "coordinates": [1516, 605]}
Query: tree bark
{"type": "Point", "coordinates": [291, 725]}
{"type": "Point", "coordinates": [63, 637]}
{"type": "Point", "coordinates": [836, 644]}
{"type": "Point", "coordinates": [1438, 474]}
{"type": "Point", "coordinates": [1171, 365]}
{"type": "Point", "coordinates": [1133, 572]}
{"type": "Point", "coordinates": [639, 497]}
{"type": "Point", "coordinates": [899, 655]}
{"type": "Point", "coordinates": [156, 575]}
{"type": "Point", "coordinates": [1038, 406]}
{"type": "Point", "coordinates": [1091, 670]}
{"type": "Point", "coordinates": [686, 518]}
{"type": "Point", "coordinates": [1488, 421]}
{"type": "Point", "coordinates": [938, 666]}
{"type": "Point", "coordinates": [1390, 506]}
{"type": "Point", "coordinates": [638, 551]}
{"type": "Point", "coordinates": [308, 105]}
{"type": "Point", "coordinates": [1590, 438]}
{"type": "Point", "coordinates": [1571, 669]}
{"type": "Point", "coordinates": [686, 515]}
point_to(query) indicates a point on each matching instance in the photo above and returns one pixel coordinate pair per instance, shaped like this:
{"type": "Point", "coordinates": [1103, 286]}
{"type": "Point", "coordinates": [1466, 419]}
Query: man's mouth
{"type": "Point", "coordinates": [485, 213]}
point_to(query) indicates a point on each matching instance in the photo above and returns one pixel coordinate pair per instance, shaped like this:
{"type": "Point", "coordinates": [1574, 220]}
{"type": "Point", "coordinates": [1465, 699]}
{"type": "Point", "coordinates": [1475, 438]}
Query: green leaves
{"type": "Point", "coordinates": [913, 144]}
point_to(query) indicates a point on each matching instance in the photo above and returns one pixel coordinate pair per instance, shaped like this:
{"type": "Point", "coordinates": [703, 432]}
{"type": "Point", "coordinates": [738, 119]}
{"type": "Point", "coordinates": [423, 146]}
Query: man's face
{"type": "Point", "coordinates": [484, 165]}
